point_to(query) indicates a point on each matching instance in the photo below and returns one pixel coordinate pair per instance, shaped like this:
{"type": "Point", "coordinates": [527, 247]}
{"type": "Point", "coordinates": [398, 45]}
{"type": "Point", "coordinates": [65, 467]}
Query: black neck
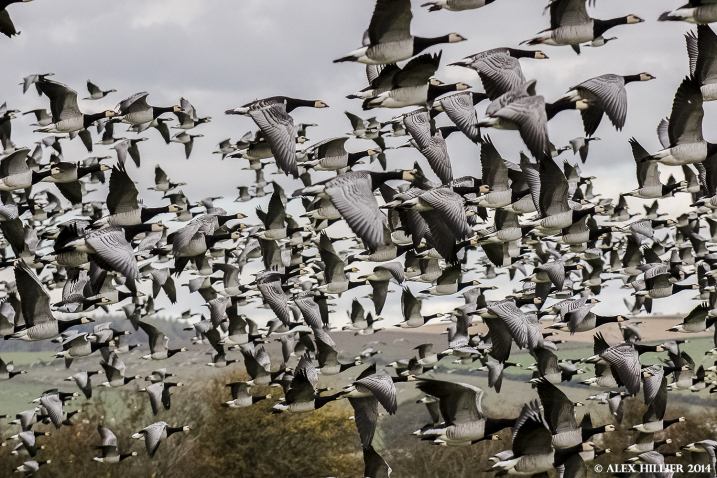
{"type": "Point", "coordinates": [345, 366]}
{"type": "Point", "coordinates": [631, 78]}
{"type": "Point", "coordinates": [321, 401]}
{"type": "Point", "coordinates": [436, 91]}
{"type": "Point", "coordinates": [519, 195]}
{"type": "Point", "coordinates": [354, 157]}
{"type": "Point", "coordinates": [84, 171]}
{"type": "Point", "coordinates": [596, 233]}
{"type": "Point", "coordinates": [667, 423]}
{"type": "Point", "coordinates": [478, 97]}
{"type": "Point", "coordinates": [562, 454]}
{"type": "Point", "coordinates": [210, 240]}
{"type": "Point", "coordinates": [171, 430]}
{"type": "Point", "coordinates": [668, 188]}
{"type": "Point", "coordinates": [133, 230]}
{"type": "Point", "coordinates": [589, 432]}
{"type": "Point", "coordinates": [63, 325]}
{"type": "Point", "coordinates": [601, 26]}
{"type": "Point", "coordinates": [463, 285]}
{"type": "Point", "coordinates": [467, 244]}
{"type": "Point", "coordinates": [125, 455]}
{"type": "Point", "coordinates": [515, 53]}
{"type": "Point", "coordinates": [160, 110]}
{"type": "Point", "coordinates": [420, 43]}
{"type": "Point", "coordinates": [37, 177]}
{"type": "Point", "coordinates": [225, 219]}
{"type": "Point", "coordinates": [147, 213]}
{"type": "Point", "coordinates": [446, 131]}
{"type": "Point", "coordinates": [494, 425]}
{"type": "Point", "coordinates": [292, 103]}
{"type": "Point", "coordinates": [678, 287]}
{"type": "Point", "coordinates": [96, 346]}
{"type": "Point", "coordinates": [291, 271]}
{"type": "Point", "coordinates": [89, 119]}
{"type": "Point", "coordinates": [354, 284]}
{"type": "Point", "coordinates": [582, 213]}
{"type": "Point", "coordinates": [380, 177]}
{"type": "Point", "coordinates": [521, 302]}
{"type": "Point", "coordinates": [601, 320]}
{"type": "Point", "coordinates": [552, 109]}
{"type": "Point", "coordinates": [641, 349]}
{"type": "Point", "coordinates": [711, 149]}
{"type": "Point", "coordinates": [463, 190]}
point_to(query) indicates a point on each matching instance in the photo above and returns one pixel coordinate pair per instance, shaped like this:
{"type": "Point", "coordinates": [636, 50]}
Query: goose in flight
{"type": "Point", "coordinates": [40, 324]}
{"type": "Point", "coordinates": [352, 195]}
{"type": "Point", "coordinates": [465, 422]}
{"type": "Point", "coordinates": [30, 80]}
{"type": "Point", "coordinates": [289, 103]}
{"type": "Point", "coordinates": [389, 39]}
{"type": "Point", "coordinates": [370, 389]}
{"type": "Point", "coordinates": [330, 155]}
{"type": "Point", "coordinates": [648, 176]}
{"type": "Point", "coordinates": [460, 109]}
{"type": "Point", "coordinates": [302, 395]}
{"type": "Point", "coordinates": [430, 142]}
{"type": "Point", "coordinates": [123, 203]}
{"type": "Point", "coordinates": [694, 11]}
{"type": "Point", "coordinates": [279, 131]}
{"type": "Point", "coordinates": [571, 25]}
{"type": "Point", "coordinates": [158, 343]}
{"type": "Point", "coordinates": [681, 134]}
{"type": "Point", "coordinates": [702, 51]}
{"type": "Point", "coordinates": [499, 69]}
{"type": "Point", "coordinates": [154, 434]}
{"type": "Point", "coordinates": [520, 109]}
{"type": "Point", "coordinates": [604, 94]}
{"type": "Point", "coordinates": [66, 114]}
{"type": "Point", "coordinates": [110, 450]}
{"type": "Point", "coordinates": [410, 86]}
{"type": "Point", "coordinates": [7, 27]}
{"type": "Point", "coordinates": [96, 93]}
{"type": "Point", "coordinates": [456, 5]}
{"type": "Point", "coordinates": [135, 110]}
{"type": "Point", "coordinates": [623, 360]}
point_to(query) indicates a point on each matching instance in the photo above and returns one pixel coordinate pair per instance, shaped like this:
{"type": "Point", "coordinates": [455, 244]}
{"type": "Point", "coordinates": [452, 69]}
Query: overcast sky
{"type": "Point", "coordinates": [220, 54]}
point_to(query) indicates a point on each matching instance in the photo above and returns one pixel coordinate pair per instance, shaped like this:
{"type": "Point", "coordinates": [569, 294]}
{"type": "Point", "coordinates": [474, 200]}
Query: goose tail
{"type": "Point", "coordinates": [667, 17]}
{"type": "Point", "coordinates": [346, 58]}
{"type": "Point", "coordinates": [432, 6]}
{"type": "Point", "coordinates": [532, 41]}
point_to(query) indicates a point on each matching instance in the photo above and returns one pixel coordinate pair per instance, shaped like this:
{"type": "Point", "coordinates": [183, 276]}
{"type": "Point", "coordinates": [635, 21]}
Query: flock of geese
{"type": "Point", "coordinates": [528, 215]}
